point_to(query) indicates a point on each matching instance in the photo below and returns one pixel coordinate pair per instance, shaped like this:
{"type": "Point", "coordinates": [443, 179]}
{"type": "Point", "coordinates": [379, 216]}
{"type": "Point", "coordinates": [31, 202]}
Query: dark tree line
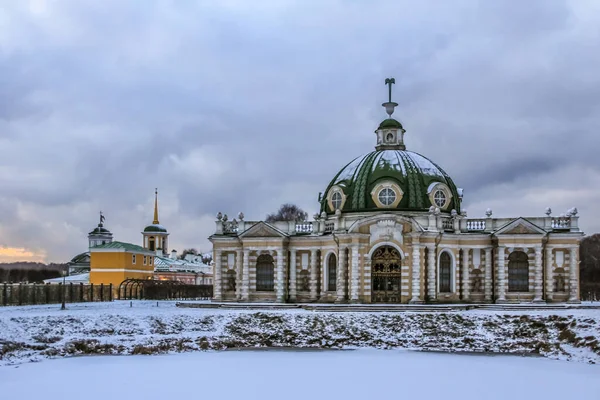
{"type": "Point", "coordinates": [589, 254]}
{"type": "Point", "coordinates": [27, 275]}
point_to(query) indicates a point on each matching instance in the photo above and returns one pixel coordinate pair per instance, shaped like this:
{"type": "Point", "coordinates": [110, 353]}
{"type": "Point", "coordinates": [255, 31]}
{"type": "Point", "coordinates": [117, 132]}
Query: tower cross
{"type": "Point", "coordinates": [390, 82]}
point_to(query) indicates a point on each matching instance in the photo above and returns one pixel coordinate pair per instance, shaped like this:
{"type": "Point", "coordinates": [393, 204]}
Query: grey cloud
{"type": "Point", "coordinates": [235, 108]}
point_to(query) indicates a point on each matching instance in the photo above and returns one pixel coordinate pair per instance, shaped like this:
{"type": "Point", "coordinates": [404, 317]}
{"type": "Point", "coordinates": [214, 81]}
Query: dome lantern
{"type": "Point", "coordinates": [390, 134]}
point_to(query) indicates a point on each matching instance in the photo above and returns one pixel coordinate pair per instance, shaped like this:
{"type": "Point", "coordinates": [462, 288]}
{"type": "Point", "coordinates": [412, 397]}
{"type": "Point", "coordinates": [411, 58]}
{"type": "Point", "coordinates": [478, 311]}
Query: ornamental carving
{"type": "Point", "coordinates": [520, 229]}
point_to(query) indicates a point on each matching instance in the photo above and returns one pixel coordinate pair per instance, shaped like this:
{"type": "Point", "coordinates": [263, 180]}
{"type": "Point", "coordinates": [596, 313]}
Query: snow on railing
{"type": "Point", "coordinates": [562, 222]}
{"type": "Point", "coordinates": [448, 224]}
{"type": "Point", "coordinates": [329, 226]}
{"type": "Point", "coordinates": [304, 227]}
{"type": "Point", "coordinates": [476, 225]}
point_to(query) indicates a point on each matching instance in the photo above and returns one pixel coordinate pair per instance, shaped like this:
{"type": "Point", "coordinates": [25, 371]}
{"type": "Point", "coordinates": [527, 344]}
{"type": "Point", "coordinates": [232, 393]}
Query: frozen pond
{"type": "Point", "coordinates": [360, 374]}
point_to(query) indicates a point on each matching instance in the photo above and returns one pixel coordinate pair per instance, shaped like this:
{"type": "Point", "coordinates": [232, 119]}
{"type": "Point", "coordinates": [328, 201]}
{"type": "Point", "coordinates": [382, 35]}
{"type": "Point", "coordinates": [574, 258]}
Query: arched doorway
{"type": "Point", "coordinates": [265, 274]}
{"type": "Point", "coordinates": [385, 275]}
{"type": "Point", "coordinates": [518, 272]}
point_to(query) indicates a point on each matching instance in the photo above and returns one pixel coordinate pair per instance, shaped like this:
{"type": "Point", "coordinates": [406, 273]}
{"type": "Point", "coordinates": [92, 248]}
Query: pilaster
{"type": "Point", "coordinates": [246, 276]}
{"type": "Point", "coordinates": [354, 281]}
{"type": "Point", "coordinates": [488, 275]}
{"type": "Point", "coordinates": [416, 271]}
{"type": "Point", "coordinates": [293, 283]}
{"type": "Point", "coordinates": [340, 275]}
{"type": "Point", "coordinates": [218, 282]}
{"type": "Point", "coordinates": [431, 272]}
{"type": "Point", "coordinates": [549, 275]}
{"type": "Point", "coordinates": [238, 274]}
{"type": "Point", "coordinates": [313, 274]}
{"type": "Point", "coordinates": [466, 290]}
{"type": "Point", "coordinates": [501, 281]}
{"type": "Point", "coordinates": [538, 284]}
{"type": "Point", "coordinates": [573, 276]}
{"type": "Point", "coordinates": [280, 284]}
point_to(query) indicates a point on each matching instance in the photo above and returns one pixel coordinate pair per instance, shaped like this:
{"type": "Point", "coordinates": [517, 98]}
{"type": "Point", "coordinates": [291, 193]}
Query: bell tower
{"type": "Point", "coordinates": [155, 236]}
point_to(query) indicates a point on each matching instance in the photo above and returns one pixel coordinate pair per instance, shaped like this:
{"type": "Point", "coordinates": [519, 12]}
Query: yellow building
{"type": "Point", "coordinates": [116, 261]}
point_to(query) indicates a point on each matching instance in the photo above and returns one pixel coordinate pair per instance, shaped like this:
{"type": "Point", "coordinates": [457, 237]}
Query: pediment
{"type": "Point", "coordinates": [520, 226]}
{"type": "Point", "coordinates": [262, 229]}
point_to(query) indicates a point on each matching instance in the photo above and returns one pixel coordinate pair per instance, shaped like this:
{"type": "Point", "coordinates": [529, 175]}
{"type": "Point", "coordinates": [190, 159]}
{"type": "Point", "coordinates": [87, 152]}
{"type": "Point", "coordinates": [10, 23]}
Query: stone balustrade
{"type": "Point", "coordinates": [441, 222]}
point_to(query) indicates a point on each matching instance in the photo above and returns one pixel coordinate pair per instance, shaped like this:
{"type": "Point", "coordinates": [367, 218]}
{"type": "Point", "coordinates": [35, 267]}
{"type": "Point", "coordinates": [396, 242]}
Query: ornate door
{"type": "Point", "coordinates": [385, 275]}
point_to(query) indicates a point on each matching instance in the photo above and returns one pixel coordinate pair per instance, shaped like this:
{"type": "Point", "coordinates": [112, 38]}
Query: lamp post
{"type": "Point", "coordinates": [63, 307]}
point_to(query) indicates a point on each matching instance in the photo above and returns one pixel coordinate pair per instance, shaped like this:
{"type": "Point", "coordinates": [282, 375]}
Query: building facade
{"type": "Point", "coordinates": [391, 230]}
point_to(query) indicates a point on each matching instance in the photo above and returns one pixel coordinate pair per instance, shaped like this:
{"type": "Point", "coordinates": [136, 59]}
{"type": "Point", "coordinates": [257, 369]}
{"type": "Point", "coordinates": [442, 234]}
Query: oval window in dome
{"type": "Point", "coordinates": [439, 198]}
{"type": "Point", "coordinates": [386, 196]}
{"type": "Point", "coordinates": [336, 200]}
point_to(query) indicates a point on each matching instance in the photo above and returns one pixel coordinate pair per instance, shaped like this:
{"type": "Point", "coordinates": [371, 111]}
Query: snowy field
{"type": "Point", "coordinates": [361, 374]}
{"type": "Point", "coordinates": [35, 333]}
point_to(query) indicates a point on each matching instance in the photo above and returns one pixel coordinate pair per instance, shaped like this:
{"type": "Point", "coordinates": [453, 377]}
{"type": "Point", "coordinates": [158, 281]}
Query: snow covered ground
{"type": "Point", "coordinates": [360, 374]}
{"type": "Point", "coordinates": [33, 333]}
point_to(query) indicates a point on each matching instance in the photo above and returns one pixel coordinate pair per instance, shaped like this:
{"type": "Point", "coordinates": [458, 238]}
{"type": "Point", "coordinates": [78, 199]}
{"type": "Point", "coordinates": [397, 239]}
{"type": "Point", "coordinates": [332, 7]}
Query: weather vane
{"type": "Point", "coordinates": [390, 105]}
{"type": "Point", "coordinates": [102, 218]}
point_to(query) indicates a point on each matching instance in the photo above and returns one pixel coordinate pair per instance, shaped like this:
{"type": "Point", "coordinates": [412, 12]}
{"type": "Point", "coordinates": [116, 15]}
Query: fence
{"type": "Point", "coordinates": [162, 290]}
{"type": "Point", "coordinates": [29, 294]}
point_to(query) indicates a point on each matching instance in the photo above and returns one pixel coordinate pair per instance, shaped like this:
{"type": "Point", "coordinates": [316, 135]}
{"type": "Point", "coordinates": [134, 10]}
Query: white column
{"type": "Point", "coordinates": [416, 271]}
{"type": "Point", "coordinates": [488, 274]}
{"type": "Point", "coordinates": [500, 282]}
{"type": "Point", "coordinates": [238, 274]}
{"type": "Point", "coordinates": [313, 274]}
{"type": "Point", "coordinates": [431, 272]}
{"type": "Point", "coordinates": [324, 279]}
{"type": "Point", "coordinates": [549, 275]}
{"type": "Point", "coordinates": [466, 292]}
{"type": "Point", "coordinates": [573, 276]}
{"type": "Point", "coordinates": [293, 284]}
{"type": "Point", "coordinates": [246, 275]}
{"type": "Point", "coordinates": [279, 287]}
{"type": "Point", "coordinates": [217, 277]}
{"type": "Point", "coordinates": [354, 280]}
{"type": "Point", "coordinates": [538, 285]}
{"type": "Point", "coordinates": [340, 274]}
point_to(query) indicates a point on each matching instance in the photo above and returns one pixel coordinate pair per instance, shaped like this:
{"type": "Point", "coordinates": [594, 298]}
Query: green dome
{"type": "Point", "coordinates": [99, 230]}
{"type": "Point", "coordinates": [390, 123]}
{"type": "Point", "coordinates": [155, 228]}
{"type": "Point", "coordinates": [413, 178]}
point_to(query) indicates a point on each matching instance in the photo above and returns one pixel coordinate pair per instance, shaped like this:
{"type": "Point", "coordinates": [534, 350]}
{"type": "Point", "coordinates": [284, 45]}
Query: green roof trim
{"type": "Point", "coordinates": [390, 123]}
{"type": "Point", "coordinates": [122, 245]}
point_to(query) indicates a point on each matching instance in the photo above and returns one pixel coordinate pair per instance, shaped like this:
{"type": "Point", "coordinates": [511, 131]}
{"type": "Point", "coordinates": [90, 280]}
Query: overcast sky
{"type": "Point", "coordinates": [242, 105]}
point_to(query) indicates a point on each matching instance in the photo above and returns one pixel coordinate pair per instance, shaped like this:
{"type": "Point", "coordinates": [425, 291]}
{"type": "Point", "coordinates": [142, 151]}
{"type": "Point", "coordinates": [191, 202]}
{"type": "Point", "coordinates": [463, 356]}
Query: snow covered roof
{"type": "Point", "coordinates": [79, 278]}
{"type": "Point", "coordinates": [165, 264]}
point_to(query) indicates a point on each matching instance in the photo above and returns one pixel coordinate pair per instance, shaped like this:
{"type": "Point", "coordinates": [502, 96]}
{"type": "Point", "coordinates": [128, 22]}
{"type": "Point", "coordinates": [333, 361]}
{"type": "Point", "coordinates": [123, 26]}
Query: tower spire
{"type": "Point", "coordinates": [155, 206]}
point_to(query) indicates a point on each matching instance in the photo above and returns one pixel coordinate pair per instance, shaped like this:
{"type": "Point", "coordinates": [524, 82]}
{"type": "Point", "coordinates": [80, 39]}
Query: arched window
{"type": "Point", "coordinates": [151, 245]}
{"type": "Point", "coordinates": [518, 272]}
{"type": "Point", "coordinates": [265, 274]}
{"type": "Point", "coordinates": [304, 280]}
{"type": "Point", "coordinates": [231, 280]}
{"type": "Point", "coordinates": [331, 273]}
{"type": "Point", "coordinates": [445, 272]}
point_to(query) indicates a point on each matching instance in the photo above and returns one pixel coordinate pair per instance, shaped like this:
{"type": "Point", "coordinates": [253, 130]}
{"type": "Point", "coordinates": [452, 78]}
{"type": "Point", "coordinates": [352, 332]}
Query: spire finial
{"type": "Point", "coordinates": [155, 206]}
{"type": "Point", "coordinates": [390, 105]}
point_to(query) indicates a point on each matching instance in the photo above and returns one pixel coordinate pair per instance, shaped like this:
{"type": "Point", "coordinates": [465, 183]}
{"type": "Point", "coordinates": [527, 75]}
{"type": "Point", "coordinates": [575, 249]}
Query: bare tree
{"type": "Point", "coordinates": [185, 252]}
{"type": "Point", "coordinates": [288, 212]}
{"type": "Point", "coordinates": [589, 254]}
